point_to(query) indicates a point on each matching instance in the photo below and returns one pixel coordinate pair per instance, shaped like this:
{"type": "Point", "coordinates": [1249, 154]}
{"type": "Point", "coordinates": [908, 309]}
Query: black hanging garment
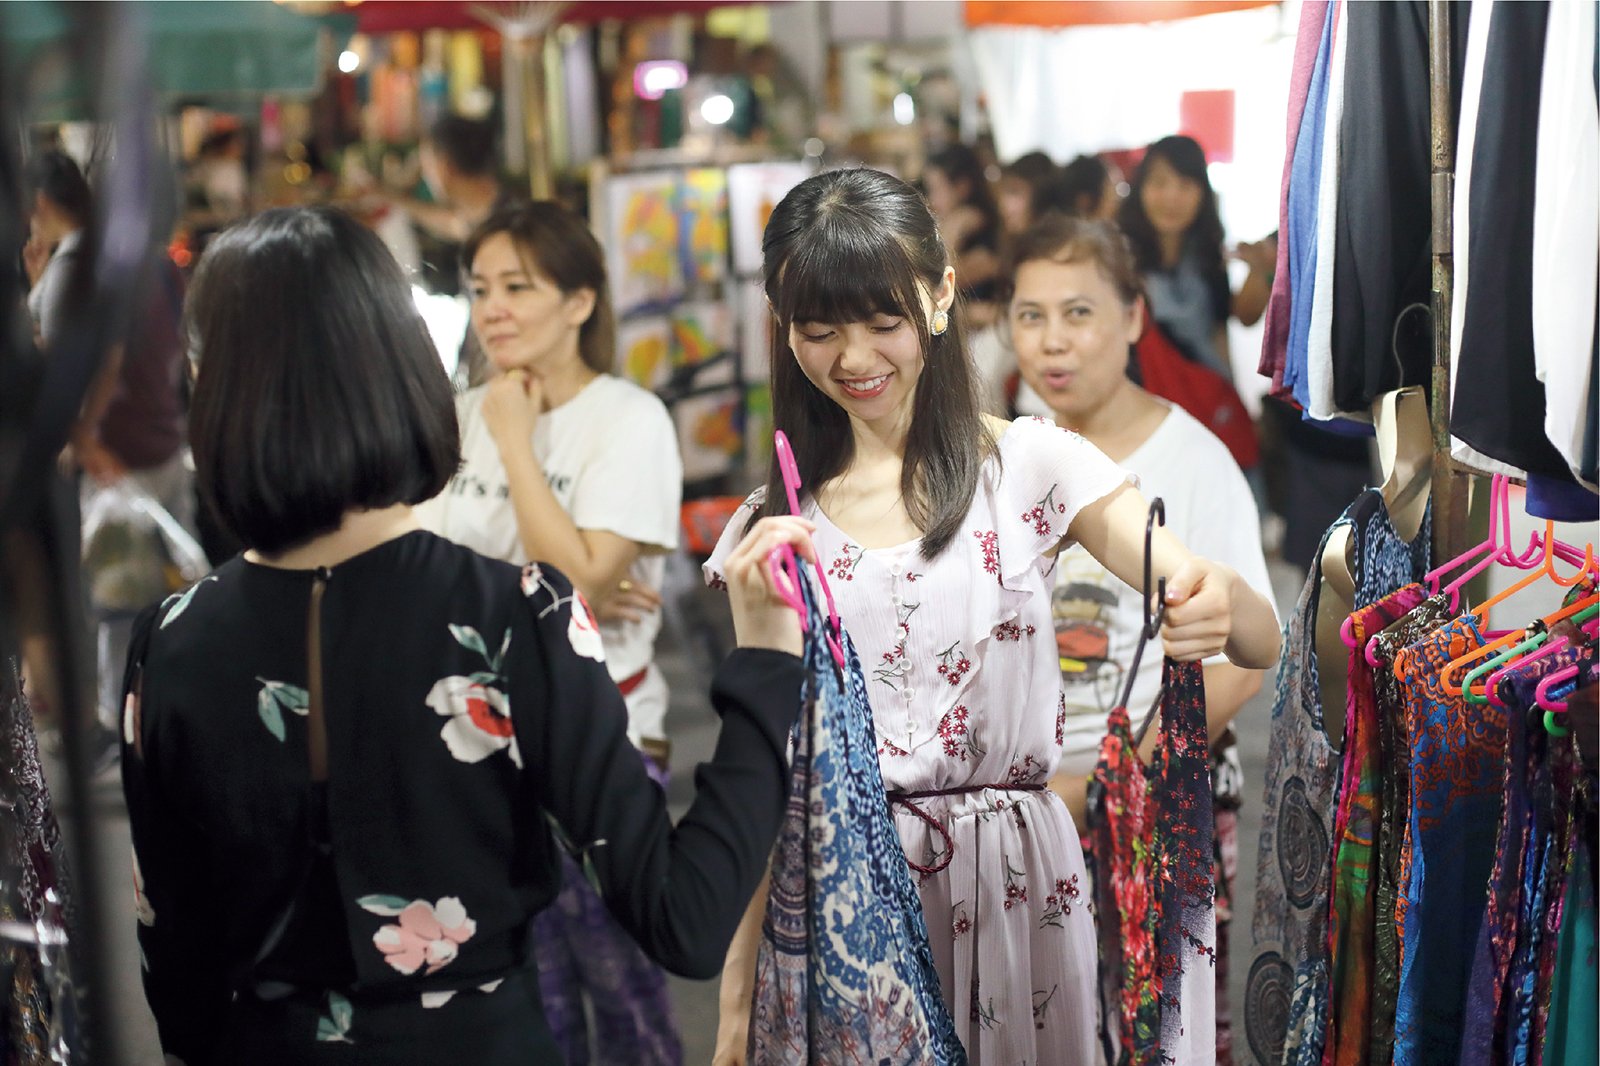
{"type": "Point", "coordinates": [1382, 332]}
{"type": "Point", "coordinates": [1498, 403]}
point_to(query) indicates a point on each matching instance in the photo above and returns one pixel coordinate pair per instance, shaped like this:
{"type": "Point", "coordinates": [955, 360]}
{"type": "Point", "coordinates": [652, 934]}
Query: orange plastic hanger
{"type": "Point", "coordinates": [1450, 676]}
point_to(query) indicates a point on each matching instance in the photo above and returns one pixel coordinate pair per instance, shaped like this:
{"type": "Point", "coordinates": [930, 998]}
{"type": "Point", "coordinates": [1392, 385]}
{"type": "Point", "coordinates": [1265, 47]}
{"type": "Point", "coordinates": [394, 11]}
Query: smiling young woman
{"type": "Point", "coordinates": [939, 530]}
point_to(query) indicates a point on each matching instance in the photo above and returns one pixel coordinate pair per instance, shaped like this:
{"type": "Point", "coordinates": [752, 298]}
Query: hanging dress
{"type": "Point", "coordinates": [1457, 752]}
{"type": "Point", "coordinates": [1502, 930]}
{"type": "Point", "coordinates": [1394, 752]}
{"type": "Point", "coordinates": [1286, 990]}
{"type": "Point", "coordinates": [41, 1016]}
{"type": "Point", "coordinates": [844, 971]}
{"type": "Point", "coordinates": [1352, 918]}
{"type": "Point", "coordinates": [1155, 885]}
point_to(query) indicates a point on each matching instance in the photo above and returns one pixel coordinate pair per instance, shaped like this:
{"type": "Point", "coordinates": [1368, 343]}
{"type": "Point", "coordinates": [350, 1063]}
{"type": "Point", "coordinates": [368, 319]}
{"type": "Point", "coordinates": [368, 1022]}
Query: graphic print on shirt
{"type": "Point", "coordinates": [953, 665]}
{"type": "Point", "coordinates": [1040, 515]}
{"type": "Point", "coordinates": [334, 1026]}
{"type": "Point", "coordinates": [179, 601]}
{"type": "Point", "coordinates": [1082, 606]}
{"type": "Point", "coordinates": [426, 936]}
{"type": "Point", "coordinates": [959, 741]}
{"type": "Point", "coordinates": [1059, 903]}
{"type": "Point", "coordinates": [843, 567]}
{"type": "Point", "coordinates": [479, 712]}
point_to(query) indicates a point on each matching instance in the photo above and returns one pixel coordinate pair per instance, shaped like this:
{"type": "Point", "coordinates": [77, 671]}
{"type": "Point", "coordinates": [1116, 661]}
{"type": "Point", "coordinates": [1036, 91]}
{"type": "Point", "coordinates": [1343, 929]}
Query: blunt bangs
{"type": "Point", "coordinates": [836, 277]}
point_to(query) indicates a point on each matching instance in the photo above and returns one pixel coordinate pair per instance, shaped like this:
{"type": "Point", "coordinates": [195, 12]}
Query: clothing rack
{"type": "Point", "coordinates": [1451, 482]}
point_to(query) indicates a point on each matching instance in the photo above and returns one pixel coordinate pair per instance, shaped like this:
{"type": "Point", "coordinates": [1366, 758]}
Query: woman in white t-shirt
{"type": "Point", "coordinates": [566, 464]}
{"type": "Point", "coordinates": [1074, 308]}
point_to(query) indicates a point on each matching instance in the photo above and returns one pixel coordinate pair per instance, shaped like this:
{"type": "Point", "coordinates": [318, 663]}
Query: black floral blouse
{"type": "Point", "coordinates": [470, 721]}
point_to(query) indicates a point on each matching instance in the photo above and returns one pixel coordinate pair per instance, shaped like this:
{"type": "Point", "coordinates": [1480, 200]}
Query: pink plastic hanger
{"type": "Point", "coordinates": [781, 561]}
{"type": "Point", "coordinates": [1492, 689]}
{"type": "Point", "coordinates": [1499, 550]}
{"type": "Point", "coordinates": [1499, 519]}
{"type": "Point", "coordinates": [1541, 694]}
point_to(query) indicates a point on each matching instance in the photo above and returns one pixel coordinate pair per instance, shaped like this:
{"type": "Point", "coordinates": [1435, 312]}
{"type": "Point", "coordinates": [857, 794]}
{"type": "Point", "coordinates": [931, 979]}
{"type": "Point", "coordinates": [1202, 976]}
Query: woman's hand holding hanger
{"type": "Point", "coordinates": [761, 618]}
{"type": "Point", "coordinates": [1210, 609]}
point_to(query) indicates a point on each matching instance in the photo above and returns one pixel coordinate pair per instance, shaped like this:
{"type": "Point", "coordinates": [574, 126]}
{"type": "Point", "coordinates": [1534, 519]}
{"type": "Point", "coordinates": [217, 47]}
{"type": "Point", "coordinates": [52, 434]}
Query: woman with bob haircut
{"type": "Point", "coordinates": [348, 752]}
{"type": "Point", "coordinates": [939, 528]}
{"type": "Point", "coordinates": [569, 464]}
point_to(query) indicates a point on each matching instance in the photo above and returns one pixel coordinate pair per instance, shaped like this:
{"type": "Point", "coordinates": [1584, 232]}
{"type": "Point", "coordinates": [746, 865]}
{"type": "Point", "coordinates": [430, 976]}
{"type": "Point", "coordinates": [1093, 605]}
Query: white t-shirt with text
{"type": "Point", "coordinates": [610, 455]}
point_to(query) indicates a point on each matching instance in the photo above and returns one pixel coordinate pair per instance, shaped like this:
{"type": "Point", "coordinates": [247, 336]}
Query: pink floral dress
{"type": "Point", "coordinates": [965, 686]}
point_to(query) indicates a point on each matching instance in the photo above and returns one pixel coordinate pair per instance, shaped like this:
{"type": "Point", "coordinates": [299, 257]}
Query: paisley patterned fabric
{"type": "Point", "coordinates": [1153, 838]}
{"type": "Point", "coordinates": [1553, 773]}
{"type": "Point", "coordinates": [844, 971]}
{"type": "Point", "coordinates": [1287, 987]}
{"type": "Point", "coordinates": [1352, 919]}
{"type": "Point", "coordinates": [41, 1019]}
{"type": "Point", "coordinates": [1457, 756]}
{"type": "Point", "coordinates": [1394, 761]}
{"type": "Point", "coordinates": [1484, 1023]}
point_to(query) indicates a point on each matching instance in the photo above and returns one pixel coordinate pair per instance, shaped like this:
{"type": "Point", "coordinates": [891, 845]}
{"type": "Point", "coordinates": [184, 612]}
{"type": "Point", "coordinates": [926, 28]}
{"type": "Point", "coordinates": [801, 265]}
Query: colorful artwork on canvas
{"type": "Point", "coordinates": [703, 224]}
{"type": "Point", "coordinates": [701, 330]}
{"type": "Point", "coordinates": [754, 190]}
{"type": "Point", "coordinates": [644, 346]}
{"type": "Point", "coordinates": [710, 432]}
{"type": "Point", "coordinates": [641, 242]}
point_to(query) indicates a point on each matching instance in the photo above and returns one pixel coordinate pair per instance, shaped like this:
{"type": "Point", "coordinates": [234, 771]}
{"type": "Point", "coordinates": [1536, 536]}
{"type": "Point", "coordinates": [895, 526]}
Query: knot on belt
{"type": "Point", "coordinates": [908, 800]}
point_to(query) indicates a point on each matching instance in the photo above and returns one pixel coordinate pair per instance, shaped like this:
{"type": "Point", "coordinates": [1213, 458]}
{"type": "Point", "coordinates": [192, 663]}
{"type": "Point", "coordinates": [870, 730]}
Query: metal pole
{"type": "Point", "coordinates": [1450, 486]}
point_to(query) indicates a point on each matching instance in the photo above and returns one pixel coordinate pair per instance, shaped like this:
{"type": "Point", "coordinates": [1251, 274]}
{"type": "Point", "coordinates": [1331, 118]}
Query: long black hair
{"type": "Point", "coordinates": [1204, 239]}
{"type": "Point", "coordinates": [842, 247]}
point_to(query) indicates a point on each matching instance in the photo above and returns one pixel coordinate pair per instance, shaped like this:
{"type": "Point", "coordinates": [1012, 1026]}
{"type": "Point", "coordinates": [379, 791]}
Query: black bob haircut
{"type": "Point", "coordinates": [319, 389]}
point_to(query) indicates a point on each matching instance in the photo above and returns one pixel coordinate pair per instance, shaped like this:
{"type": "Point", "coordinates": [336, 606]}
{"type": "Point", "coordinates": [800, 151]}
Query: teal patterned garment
{"type": "Point", "coordinates": [844, 972]}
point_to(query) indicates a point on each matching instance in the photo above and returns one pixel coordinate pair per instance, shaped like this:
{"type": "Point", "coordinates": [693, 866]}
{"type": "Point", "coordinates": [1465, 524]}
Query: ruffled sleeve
{"type": "Point", "coordinates": [1048, 474]}
{"type": "Point", "coordinates": [732, 534]}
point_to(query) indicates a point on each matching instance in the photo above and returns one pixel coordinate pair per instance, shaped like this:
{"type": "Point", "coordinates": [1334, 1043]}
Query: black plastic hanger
{"type": "Point", "coordinates": [1151, 628]}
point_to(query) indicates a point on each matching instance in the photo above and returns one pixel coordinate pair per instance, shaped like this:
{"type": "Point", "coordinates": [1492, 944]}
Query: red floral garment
{"type": "Point", "coordinates": [1152, 837]}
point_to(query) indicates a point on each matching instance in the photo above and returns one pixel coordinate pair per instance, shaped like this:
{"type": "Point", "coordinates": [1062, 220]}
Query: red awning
{"type": "Point", "coordinates": [1059, 13]}
{"type": "Point", "coordinates": [389, 16]}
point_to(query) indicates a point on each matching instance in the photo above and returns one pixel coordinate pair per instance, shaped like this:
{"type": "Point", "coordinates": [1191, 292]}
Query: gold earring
{"type": "Point", "coordinates": [941, 322]}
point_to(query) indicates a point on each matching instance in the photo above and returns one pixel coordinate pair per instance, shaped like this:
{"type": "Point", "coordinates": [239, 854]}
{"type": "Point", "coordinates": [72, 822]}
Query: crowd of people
{"type": "Point", "coordinates": [439, 821]}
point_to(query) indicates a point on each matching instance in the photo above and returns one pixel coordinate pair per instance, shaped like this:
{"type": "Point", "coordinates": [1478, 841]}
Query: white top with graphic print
{"type": "Point", "coordinates": [1209, 508]}
{"type": "Point", "coordinates": [611, 457]}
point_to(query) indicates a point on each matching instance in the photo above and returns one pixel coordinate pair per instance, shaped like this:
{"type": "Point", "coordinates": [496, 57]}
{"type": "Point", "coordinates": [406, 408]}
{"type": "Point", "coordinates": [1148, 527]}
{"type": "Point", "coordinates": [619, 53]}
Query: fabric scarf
{"type": "Point", "coordinates": [844, 972]}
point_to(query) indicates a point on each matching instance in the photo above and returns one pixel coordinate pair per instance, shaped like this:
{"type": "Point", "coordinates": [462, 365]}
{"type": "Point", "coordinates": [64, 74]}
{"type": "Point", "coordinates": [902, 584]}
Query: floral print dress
{"type": "Point", "coordinates": [381, 915]}
{"type": "Point", "coordinates": [965, 686]}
